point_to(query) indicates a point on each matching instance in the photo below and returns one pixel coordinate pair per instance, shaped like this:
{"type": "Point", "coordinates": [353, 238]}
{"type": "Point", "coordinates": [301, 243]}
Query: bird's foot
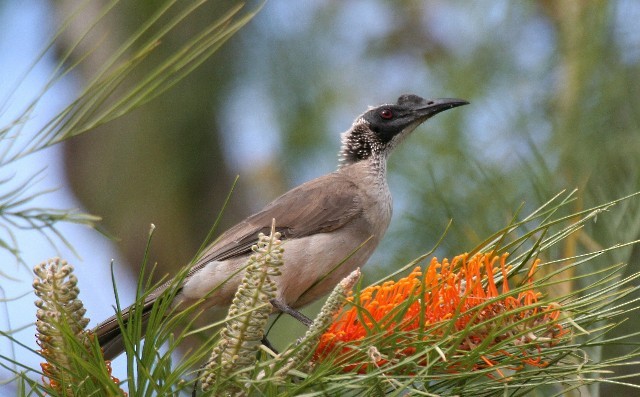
{"type": "Point", "coordinates": [284, 308]}
{"type": "Point", "coordinates": [268, 345]}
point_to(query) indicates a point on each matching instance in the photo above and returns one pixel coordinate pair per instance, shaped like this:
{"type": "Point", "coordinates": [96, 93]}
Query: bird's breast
{"type": "Point", "coordinates": [377, 207]}
{"type": "Point", "coordinates": [313, 265]}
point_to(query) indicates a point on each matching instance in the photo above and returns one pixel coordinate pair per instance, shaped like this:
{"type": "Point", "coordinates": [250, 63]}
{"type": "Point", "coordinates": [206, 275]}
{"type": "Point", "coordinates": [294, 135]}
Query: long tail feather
{"type": "Point", "coordinates": [109, 332]}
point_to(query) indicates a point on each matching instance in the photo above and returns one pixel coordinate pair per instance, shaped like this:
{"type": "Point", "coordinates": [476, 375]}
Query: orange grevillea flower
{"type": "Point", "coordinates": [449, 297]}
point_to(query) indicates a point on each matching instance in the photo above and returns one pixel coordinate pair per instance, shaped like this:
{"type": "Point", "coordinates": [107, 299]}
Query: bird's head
{"type": "Point", "coordinates": [381, 128]}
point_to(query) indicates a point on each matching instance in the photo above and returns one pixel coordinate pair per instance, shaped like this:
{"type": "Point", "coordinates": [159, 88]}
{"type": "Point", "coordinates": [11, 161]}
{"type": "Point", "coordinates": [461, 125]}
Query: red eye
{"type": "Point", "coordinates": [386, 114]}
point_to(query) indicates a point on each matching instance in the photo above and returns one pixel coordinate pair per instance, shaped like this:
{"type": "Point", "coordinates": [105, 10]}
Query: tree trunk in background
{"type": "Point", "coordinates": [163, 163]}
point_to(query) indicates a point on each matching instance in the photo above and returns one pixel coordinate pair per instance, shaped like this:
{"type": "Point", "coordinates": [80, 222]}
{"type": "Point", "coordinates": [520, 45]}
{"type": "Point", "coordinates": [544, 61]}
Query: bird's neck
{"type": "Point", "coordinates": [371, 176]}
{"type": "Point", "coordinates": [372, 170]}
{"type": "Point", "coordinates": [358, 146]}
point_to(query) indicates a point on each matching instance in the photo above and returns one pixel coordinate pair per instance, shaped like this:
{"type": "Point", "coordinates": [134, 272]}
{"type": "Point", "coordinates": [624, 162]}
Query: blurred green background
{"type": "Point", "coordinates": [555, 100]}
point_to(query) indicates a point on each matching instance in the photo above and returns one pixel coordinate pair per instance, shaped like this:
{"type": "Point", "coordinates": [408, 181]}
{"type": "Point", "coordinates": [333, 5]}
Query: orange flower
{"type": "Point", "coordinates": [449, 297]}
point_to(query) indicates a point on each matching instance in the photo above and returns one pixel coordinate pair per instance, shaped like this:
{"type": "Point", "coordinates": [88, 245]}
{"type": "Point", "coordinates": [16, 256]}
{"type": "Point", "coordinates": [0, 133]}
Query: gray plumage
{"type": "Point", "coordinates": [331, 225]}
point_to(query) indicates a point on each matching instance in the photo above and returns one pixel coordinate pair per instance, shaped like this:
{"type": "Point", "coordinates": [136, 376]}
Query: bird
{"type": "Point", "coordinates": [330, 225]}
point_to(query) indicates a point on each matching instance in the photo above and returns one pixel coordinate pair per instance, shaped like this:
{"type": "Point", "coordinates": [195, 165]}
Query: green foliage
{"type": "Point", "coordinates": [151, 369]}
{"type": "Point", "coordinates": [107, 96]}
{"type": "Point", "coordinates": [591, 314]}
{"type": "Point", "coordinates": [433, 366]}
{"type": "Point", "coordinates": [247, 316]}
{"type": "Point", "coordinates": [18, 213]}
{"type": "Point", "coordinates": [110, 93]}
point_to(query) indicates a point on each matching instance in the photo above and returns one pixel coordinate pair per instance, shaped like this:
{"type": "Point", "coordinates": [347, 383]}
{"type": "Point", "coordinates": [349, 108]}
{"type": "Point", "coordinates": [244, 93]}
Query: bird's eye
{"type": "Point", "coordinates": [386, 114]}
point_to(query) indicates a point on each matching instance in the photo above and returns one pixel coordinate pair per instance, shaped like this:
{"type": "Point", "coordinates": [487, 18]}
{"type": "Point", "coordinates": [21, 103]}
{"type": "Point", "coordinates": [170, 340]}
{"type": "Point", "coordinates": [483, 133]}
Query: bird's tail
{"type": "Point", "coordinates": [110, 335]}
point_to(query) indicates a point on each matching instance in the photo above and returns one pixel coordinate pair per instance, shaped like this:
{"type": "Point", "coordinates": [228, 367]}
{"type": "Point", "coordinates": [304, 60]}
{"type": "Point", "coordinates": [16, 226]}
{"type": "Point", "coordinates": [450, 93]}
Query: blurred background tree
{"type": "Point", "coordinates": [554, 105]}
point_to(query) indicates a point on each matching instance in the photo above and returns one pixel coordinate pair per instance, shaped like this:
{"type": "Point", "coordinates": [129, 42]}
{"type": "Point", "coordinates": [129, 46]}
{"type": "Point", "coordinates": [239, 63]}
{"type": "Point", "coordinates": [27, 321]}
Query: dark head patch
{"type": "Point", "coordinates": [378, 126]}
{"type": "Point", "coordinates": [387, 121]}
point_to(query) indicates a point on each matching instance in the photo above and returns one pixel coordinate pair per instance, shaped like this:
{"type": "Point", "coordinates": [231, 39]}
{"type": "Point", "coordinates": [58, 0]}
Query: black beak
{"type": "Point", "coordinates": [430, 107]}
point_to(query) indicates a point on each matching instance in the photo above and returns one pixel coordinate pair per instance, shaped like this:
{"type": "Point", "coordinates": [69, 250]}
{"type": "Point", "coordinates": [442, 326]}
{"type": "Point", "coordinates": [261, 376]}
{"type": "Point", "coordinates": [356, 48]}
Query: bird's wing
{"type": "Point", "coordinates": [318, 206]}
{"type": "Point", "coordinates": [321, 205]}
